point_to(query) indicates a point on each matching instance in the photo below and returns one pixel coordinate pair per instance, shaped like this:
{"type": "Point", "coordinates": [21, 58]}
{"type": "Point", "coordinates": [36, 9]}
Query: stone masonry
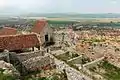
{"type": "Point", "coordinates": [38, 60]}
{"type": "Point", "coordinates": [28, 55]}
{"type": "Point", "coordinates": [39, 63]}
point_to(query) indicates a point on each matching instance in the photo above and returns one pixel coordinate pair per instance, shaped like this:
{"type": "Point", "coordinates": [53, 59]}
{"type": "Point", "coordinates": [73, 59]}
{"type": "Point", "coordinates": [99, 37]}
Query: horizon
{"type": "Point", "coordinates": [67, 15]}
{"type": "Point", "coordinates": [59, 6]}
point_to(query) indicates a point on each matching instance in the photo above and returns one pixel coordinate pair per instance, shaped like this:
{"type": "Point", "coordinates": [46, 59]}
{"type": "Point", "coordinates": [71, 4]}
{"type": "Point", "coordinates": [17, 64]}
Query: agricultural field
{"type": "Point", "coordinates": [60, 21]}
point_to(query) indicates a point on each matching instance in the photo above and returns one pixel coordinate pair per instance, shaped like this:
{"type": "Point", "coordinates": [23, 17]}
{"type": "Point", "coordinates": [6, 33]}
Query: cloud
{"type": "Point", "coordinates": [3, 3]}
{"type": "Point", "coordinates": [113, 1]}
{"type": "Point", "coordinates": [23, 3]}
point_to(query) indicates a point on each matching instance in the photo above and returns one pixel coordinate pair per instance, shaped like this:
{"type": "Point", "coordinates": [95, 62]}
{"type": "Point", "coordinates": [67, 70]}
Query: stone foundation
{"type": "Point", "coordinates": [38, 63]}
{"type": "Point", "coordinates": [28, 55]}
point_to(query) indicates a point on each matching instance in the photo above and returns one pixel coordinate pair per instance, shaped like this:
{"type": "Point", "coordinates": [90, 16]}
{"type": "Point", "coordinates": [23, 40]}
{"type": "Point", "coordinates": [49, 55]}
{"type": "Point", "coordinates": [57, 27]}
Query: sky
{"type": "Point", "coordinates": [59, 6]}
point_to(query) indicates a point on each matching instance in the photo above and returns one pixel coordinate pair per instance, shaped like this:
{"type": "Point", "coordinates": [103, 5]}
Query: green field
{"type": "Point", "coordinates": [60, 22]}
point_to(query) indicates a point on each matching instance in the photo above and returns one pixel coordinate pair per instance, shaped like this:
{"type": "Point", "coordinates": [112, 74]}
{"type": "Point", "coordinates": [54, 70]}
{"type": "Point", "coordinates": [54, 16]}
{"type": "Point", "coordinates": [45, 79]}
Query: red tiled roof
{"type": "Point", "coordinates": [39, 26]}
{"type": "Point", "coordinates": [8, 31]}
{"type": "Point", "coordinates": [18, 42]}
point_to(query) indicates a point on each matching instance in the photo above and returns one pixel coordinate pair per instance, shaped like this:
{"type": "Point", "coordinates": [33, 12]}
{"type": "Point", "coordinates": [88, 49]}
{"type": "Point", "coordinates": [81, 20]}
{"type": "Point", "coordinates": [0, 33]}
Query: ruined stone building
{"type": "Point", "coordinates": [28, 60]}
{"type": "Point", "coordinates": [36, 60]}
{"type": "Point", "coordinates": [39, 63]}
{"type": "Point", "coordinates": [23, 50]}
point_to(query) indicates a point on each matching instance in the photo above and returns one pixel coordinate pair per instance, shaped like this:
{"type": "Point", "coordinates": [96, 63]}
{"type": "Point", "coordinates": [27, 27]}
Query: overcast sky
{"type": "Point", "coordinates": [60, 6]}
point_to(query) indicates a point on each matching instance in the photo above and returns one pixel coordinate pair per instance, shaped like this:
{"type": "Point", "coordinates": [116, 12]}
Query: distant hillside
{"type": "Point", "coordinates": [73, 15]}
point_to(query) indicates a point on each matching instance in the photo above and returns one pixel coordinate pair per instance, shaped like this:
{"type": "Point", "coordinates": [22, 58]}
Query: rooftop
{"type": "Point", "coordinates": [8, 31]}
{"type": "Point", "coordinates": [39, 26]}
{"type": "Point", "coordinates": [18, 42]}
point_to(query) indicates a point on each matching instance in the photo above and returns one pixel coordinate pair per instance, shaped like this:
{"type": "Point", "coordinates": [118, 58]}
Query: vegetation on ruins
{"type": "Point", "coordinates": [60, 21]}
{"type": "Point", "coordinates": [107, 70]}
{"type": "Point", "coordinates": [5, 76]}
{"type": "Point", "coordinates": [66, 56]}
{"type": "Point", "coordinates": [117, 49]}
{"type": "Point", "coordinates": [85, 60]}
{"type": "Point", "coordinates": [72, 65]}
{"type": "Point", "coordinates": [93, 40]}
{"type": "Point", "coordinates": [55, 76]}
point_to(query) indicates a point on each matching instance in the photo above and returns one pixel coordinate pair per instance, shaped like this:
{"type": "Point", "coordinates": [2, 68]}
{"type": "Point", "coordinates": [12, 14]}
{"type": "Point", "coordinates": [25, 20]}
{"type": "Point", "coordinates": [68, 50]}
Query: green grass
{"type": "Point", "coordinates": [111, 72]}
{"type": "Point", "coordinates": [55, 76]}
{"type": "Point", "coordinates": [60, 22]}
{"type": "Point", "coordinates": [43, 78]}
{"type": "Point", "coordinates": [73, 66]}
{"type": "Point", "coordinates": [30, 74]}
{"type": "Point", "coordinates": [6, 76]}
{"type": "Point", "coordinates": [94, 40]}
{"type": "Point", "coordinates": [66, 56]}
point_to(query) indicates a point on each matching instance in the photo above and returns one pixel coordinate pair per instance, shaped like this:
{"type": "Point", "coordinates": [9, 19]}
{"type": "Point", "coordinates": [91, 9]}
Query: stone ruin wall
{"type": "Point", "coordinates": [93, 63]}
{"type": "Point", "coordinates": [38, 60]}
{"type": "Point", "coordinates": [38, 63]}
{"type": "Point", "coordinates": [25, 56]}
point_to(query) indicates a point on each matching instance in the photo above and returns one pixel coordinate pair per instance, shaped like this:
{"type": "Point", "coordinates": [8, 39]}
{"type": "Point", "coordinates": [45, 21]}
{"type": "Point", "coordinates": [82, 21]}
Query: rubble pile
{"type": "Point", "coordinates": [9, 69]}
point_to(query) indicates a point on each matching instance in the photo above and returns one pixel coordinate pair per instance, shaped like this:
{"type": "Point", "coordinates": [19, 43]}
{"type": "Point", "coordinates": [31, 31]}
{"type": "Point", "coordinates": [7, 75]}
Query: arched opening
{"type": "Point", "coordinates": [46, 38]}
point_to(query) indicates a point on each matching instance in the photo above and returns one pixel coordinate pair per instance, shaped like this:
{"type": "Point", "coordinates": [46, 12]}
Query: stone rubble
{"type": "Point", "coordinates": [9, 69]}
